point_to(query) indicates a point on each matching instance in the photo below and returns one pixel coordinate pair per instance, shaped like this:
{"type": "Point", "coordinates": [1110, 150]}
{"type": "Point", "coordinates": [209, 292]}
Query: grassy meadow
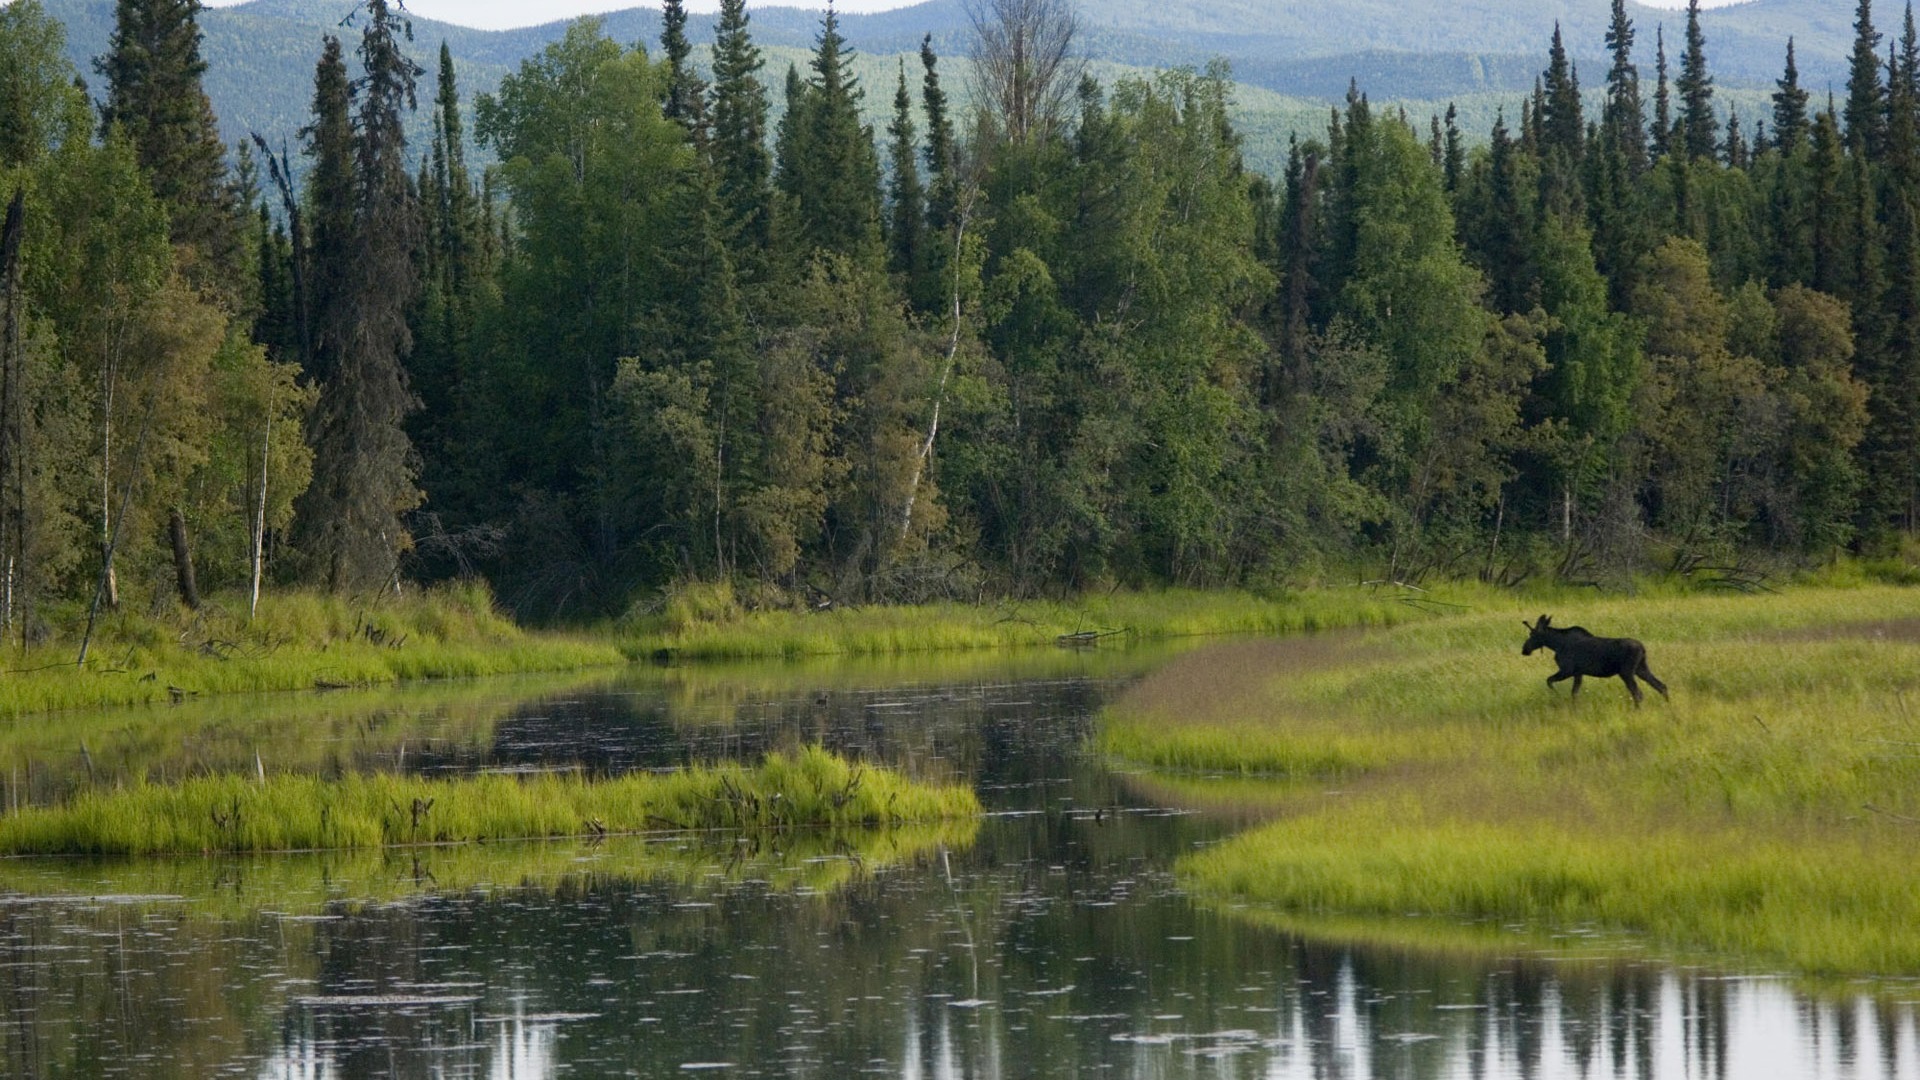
{"type": "Point", "coordinates": [1769, 814]}
{"type": "Point", "coordinates": [297, 641]}
{"type": "Point", "coordinates": [807, 789]}
{"type": "Point", "coordinates": [710, 623]}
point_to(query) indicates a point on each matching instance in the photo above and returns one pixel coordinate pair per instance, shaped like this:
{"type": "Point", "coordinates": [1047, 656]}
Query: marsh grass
{"type": "Point", "coordinates": [1770, 812]}
{"type": "Point", "coordinates": [298, 641]}
{"type": "Point", "coordinates": [719, 629]}
{"type": "Point", "coordinates": [810, 788]}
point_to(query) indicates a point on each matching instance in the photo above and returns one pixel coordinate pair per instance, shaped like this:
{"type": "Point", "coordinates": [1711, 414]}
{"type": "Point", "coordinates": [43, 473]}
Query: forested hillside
{"type": "Point", "coordinates": [689, 331]}
{"type": "Point", "coordinates": [1290, 60]}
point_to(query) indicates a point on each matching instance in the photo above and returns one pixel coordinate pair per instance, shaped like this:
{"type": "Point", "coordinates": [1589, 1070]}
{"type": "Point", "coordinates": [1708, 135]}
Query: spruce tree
{"type": "Point", "coordinates": [907, 220]}
{"type": "Point", "coordinates": [1662, 98]}
{"type": "Point", "coordinates": [1453, 162]}
{"type": "Point", "coordinates": [742, 167]}
{"type": "Point", "coordinates": [155, 96]}
{"type": "Point", "coordinates": [686, 100]}
{"type": "Point", "coordinates": [1866, 113]}
{"type": "Point", "coordinates": [942, 192]}
{"type": "Point", "coordinates": [364, 464]}
{"type": "Point", "coordinates": [1563, 128]}
{"type": "Point", "coordinates": [831, 173]}
{"type": "Point", "coordinates": [1790, 125]}
{"type": "Point", "coordinates": [1624, 121]}
{"type": "Point", "coordinates": [1695, 86]}
{"type": "Point", "coordinates": [330, 207]}
{"type": "Point", "coordinates": [1903, 109]}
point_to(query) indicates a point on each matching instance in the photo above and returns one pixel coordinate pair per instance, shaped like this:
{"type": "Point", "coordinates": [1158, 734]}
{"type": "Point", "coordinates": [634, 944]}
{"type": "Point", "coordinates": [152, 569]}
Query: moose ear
{"type": "Point", "coordinates": [1546, 620]}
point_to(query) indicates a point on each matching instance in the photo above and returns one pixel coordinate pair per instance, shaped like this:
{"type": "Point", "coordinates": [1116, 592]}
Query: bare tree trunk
{"type": "Point", "coordinates": [183, 559]}
{"type": "Point", "coordinates": [113, 542]}
{"type": "Point", "coordinates": [946, 372]}
{"type": "Point", "coordinates": [260, 520]}
{"type": "Point", "coordinates": [12, 445]}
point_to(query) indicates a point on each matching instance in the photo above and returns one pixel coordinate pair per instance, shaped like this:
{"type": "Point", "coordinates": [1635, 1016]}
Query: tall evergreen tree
{"type": "Point", "coordinates": [1866, 113]}
{"type": "Point", "coordinates": [831, 173]}
{"type": "Point", "coordinates": [942, 193]}
{"type": "Point", "coordinates": [1700, 126]}
{"type": "Point", "coordinates": [364, 464]}
{"type": "Point", "coordinates": [906, 243]}
{"type": "Point", "coordinates": [1790, 125]}
{"type": "Point", "coordinates": [1563, 127]}
{"type": "Point", "coordinates": [686, 100]}
{"type": "Point", "coordinates": [1624, 120]}
{"type": "Point", "coordinates": [155, 95]}
{"type": "Point", "coordinates": [330, 213]}
{"type": "Point", "coordinates": [742, 167]}
{"type": "Point", "coordinates": [1453, 158]}
{"type": "Point", "coordinates": [1662, 97]}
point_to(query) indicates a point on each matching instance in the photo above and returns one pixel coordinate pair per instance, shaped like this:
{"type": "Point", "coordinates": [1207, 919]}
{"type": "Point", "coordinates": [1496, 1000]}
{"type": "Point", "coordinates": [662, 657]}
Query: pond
{"type": "Point", "coordinates": [1051, 943]}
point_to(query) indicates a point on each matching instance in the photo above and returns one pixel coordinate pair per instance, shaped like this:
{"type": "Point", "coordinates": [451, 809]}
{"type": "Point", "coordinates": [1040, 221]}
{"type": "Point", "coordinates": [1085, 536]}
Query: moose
{"type": "Point", "coordinates": [1581, 654]}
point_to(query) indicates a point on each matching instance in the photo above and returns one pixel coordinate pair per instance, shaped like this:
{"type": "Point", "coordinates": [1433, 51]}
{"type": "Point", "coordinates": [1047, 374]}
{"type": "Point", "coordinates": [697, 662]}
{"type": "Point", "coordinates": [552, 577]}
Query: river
{"type": "Point", "coordinates": [1053, 943]}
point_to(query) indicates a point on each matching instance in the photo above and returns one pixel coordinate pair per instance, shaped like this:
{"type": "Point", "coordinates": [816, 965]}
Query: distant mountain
{"type": "Point", "coordinates": [1291, 56]}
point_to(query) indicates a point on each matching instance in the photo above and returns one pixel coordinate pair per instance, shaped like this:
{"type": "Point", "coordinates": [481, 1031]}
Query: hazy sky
{"type": "Point", "coordinates": [496, 14]}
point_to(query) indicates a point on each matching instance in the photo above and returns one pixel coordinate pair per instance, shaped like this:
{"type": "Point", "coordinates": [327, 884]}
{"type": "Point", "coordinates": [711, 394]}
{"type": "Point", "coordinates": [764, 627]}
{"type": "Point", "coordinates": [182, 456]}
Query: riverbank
{"type": "Point", "coordinates": [708, 623]}
{"type": "Point", "coordinates": [1768, 813]}
{"type": "Point", "coordinates": [297, 641]}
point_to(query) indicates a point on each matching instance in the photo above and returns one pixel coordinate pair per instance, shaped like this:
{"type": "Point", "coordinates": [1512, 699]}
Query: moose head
{"type": "Point", "coordinates": [1536, 634]}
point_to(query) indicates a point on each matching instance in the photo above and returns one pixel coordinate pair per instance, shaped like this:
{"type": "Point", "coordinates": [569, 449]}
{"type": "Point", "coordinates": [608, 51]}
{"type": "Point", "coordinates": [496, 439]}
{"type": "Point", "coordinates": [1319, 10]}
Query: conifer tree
{"type": "Point", "coordinates": [943, 184]}
{"type": "Point", "coordinates": [364, 464]}
{"type": "Point", "coordinates": [1790, 125]}
{"type": "Point", "coordinates": [830, 171]}
{"type": "Point", "coordinates": [1866, 113]}
{"type": "Point", "coordinates": [1624, 121]}
{"type": "Point", "coordinates": [907, 199]}
{"type": "Point", "coordinates": [1662, 98]}
{"type": "Point", "coordinates": [686, 100]}
{"type": "Point", "coordinates": [154, 94]}
{"type": "Point", "coordinates": [1453, 161]}
{"type": "Point", "coordinates": [1695, 86]}
{"type": "Point", "coordinates": [1903, 109]}
{"type": "Point", "coordinates": [742, 167]}
{"type": "Point", "coordinates": [1563, 128]}
{"type": "Point", "coordinates": [330, 213]}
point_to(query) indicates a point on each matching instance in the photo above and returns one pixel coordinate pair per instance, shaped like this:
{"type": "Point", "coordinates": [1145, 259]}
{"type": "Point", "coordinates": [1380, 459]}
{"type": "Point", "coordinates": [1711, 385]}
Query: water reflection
{"type": "Point", "coordinates": [1054, 945]}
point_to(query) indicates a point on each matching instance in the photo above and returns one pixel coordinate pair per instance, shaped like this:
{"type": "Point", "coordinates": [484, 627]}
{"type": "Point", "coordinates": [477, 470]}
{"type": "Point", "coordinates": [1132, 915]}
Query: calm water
{"type": "Point", "coordinates": [1053, 945]}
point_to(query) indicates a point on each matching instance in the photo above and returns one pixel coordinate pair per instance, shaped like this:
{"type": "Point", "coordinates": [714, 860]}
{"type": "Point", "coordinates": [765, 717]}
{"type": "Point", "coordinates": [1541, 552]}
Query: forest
{"type": "Point", "coordinates": [1060, 340]}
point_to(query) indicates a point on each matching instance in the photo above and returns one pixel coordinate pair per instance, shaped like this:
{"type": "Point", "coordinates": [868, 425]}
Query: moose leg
{"type": "Point", "coordinates": [1647, 674]}
{"type": "Point", "coordinates": [1577, 680]}
{"type": "Point", "coordinates": [1632, 687]}
{"type": "Point", "coordinates": [1557, 676]}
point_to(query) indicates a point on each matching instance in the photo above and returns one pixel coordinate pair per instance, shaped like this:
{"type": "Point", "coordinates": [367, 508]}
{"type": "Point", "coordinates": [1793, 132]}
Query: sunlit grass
{"type": "Point", "coordinates": [807, 789]}
{"type": "Point", "coordinates": [1770, 812]}
{"type": "Point", "coordinates": [297, 641]}
{"type": "Point", "coordinates": [720, 629]}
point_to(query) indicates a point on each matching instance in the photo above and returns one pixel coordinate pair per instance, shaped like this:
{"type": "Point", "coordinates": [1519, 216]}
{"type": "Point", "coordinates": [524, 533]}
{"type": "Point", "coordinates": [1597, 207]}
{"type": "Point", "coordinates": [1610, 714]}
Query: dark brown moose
{"type": "Point", "coordinates": [1581, 654]}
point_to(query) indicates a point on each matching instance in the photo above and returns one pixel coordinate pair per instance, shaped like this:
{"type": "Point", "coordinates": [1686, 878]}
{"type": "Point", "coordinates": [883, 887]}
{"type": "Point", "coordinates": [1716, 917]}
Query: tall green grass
{"type": "Point", "coordinates": [718, 628]}
{"type": "Point", "coordinates": [1770, 812]}
{"type": "Point", "coordinates": [808, 789]}
{"type": "Point", "coordinates": [297, 641]}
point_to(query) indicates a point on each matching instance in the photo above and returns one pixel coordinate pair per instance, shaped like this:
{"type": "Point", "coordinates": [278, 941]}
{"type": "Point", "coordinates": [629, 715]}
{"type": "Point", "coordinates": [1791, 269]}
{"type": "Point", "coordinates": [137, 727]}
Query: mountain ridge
{"type": "Point", "coordinates": [260, 54]}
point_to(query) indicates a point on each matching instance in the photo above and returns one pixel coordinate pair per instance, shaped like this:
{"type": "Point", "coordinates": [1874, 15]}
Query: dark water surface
{"type": "Point", "coordinates": [1053, 945]}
